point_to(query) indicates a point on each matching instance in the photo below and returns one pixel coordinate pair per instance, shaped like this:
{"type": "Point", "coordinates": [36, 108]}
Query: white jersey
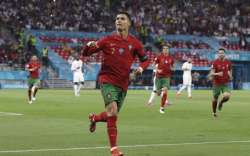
{"type": "Point", "coordinates": [76, 68]}
{"type": "Point", "coordinates": [187, 77]}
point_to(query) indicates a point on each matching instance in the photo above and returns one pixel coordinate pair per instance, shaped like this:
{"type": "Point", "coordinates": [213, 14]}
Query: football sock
{"type": "Point", "coordinates": [75, 89]}
{"type": "Point", "coordinates": [181, 89]}
{"type": "Point", "coordinates": [79, 88]}
{"type": "Point", "coordinates": [152, 97]}
{"type": "Point", "coordinates": [35, 91]}
{"type": "Point", "coordinates": [32, 91]}
{"type": "Point", "coordinates": [29, 94]}
{"type": "Point", "coordinates": [163, 99]}
{"type": "Point", "coordinates": [166, 101]}
{"type": "Point", "coordinates": [189, 91]}
{"type": "Point", "coordinates": [214, 104]}
{"type": "Point", "coordinates": [112, 130]}
{"type": "Point", "coordinates": [102, 117]}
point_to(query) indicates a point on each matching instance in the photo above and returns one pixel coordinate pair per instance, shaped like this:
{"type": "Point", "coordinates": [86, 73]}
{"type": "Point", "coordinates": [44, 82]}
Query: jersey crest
{"type": "Point", "coordinates": [130, 47]}
{"type": "Point", "coordinates": [121, 51]}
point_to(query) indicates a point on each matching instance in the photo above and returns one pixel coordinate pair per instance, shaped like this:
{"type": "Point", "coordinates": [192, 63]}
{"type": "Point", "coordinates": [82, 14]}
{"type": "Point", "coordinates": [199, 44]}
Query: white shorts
{"type": "Point", "coordinates": [187, 80]}
{"type": "Point", "coordinates": [78, 77]}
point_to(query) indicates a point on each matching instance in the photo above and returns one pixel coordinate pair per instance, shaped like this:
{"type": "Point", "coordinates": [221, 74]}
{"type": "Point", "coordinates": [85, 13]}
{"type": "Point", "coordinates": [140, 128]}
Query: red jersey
{"type": "Point", "coordinates": [165, 63]}
{"type": "Point", "coordinates": [33, 65]}
{"type": "Point", "coordinates": [118, 56]}
{"type": "Point", "coordinates": [221, 66]}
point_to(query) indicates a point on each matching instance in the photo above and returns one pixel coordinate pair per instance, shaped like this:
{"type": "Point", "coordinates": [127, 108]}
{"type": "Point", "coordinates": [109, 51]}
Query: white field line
{"type": "Point", "coordinates": [9, 113]}
{"type": "Point", "coordinates": [124, 146]}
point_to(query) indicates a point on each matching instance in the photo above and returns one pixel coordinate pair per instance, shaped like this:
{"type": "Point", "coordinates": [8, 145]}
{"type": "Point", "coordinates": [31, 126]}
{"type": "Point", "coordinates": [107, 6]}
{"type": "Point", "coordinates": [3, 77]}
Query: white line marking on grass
{"type": "Point", "coordinates": [9, 113]}
{"type": "Point", "coordinates": [124, 146]}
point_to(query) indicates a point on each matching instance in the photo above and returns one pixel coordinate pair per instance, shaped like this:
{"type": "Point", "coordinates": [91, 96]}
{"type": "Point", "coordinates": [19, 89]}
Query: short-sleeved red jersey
{"type": "Point", "coordinates": [118, 56]}
{"type": "Point", "coordinates": [165, 63]}
{"type": "Point", "coordinates": [31, 65]}
{"type": "Point", "coordinates": [221, 66]}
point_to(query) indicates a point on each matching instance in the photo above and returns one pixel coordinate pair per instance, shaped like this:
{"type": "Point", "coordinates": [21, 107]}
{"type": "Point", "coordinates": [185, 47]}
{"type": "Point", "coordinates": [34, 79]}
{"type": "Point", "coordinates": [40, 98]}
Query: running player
{"type": "Point", "coordinates": [119, 49]}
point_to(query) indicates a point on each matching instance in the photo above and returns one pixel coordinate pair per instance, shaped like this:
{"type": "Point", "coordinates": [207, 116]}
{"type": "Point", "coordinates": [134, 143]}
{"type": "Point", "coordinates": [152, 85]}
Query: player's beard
{"type": "Point", "coordinates": [120, 30]}
{"type": "Point", "coordinates": [222, 57]}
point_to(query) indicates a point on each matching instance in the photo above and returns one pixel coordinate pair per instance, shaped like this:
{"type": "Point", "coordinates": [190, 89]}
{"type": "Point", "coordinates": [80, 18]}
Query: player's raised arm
{"type": "Point", "coordinates": [210, 75]}
{"type": "Point", "coordinates": [90, 48]}
{"type": "Point", "coordinates": [213, 73]}
{"type": "Point", "coordinates": [93, 47]}
{"type": "Point", "coordinates": [144, 61]}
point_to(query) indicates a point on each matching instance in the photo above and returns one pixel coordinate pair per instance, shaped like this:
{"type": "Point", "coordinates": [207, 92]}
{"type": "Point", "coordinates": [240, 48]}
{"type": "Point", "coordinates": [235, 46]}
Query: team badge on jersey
{"type": "Point", "coordinates": [130, 47]}
{"type": "Point", "coordinates": [166, 61]}
{"type": "Point", "coordinates": [112, 50]}
{"type": "Point", "coordinates": [121, 51]}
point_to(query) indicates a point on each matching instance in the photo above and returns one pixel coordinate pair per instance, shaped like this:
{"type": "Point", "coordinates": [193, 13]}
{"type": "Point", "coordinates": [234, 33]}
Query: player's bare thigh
{"type": "Point", "coordinates": [112, 109]}
{"type": "Point", "coordinates": [226, 95]}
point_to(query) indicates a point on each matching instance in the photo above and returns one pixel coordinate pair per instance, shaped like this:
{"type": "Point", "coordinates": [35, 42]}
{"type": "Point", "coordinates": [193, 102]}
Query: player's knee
{"type": "Point", "coordinates": [30, 88]}
{"type": "Point", "coordinates": [75, 83]}
{"type": "Point", "coordinates": [226, 95]}
{"type": "Point", "coordinates": [82, 83]}
{"type": "Point", "coordinates": [164, 89]}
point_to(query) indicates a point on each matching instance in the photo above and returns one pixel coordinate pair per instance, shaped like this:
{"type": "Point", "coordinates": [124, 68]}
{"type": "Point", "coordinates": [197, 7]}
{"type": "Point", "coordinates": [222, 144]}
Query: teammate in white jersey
{"type": "Point", "coordinates": [78, 79]}
{"type": "Point", "coordinates": [187, 77]}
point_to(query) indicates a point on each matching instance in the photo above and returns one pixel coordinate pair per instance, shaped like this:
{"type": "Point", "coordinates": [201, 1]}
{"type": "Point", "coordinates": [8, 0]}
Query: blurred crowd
{"type": "Point", "coordinates": [159, 17]}
{"type": "Point", "coordinates": [207, 17]}
{"type": "Point", "coordinates": [15, 53]}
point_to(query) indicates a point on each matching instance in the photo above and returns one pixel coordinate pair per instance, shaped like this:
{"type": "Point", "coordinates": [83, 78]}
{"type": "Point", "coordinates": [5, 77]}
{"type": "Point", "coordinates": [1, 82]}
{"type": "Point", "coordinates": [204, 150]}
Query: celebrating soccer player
{"type": "Point", "coordinates": [119, 51]}
{"type": "Point", "coordinates": [164, 63]}
{"type": "Point", "coordinates": [187, 77]}
{"type": "Point", "coordinates": [33, 67]}
{"type": "Point", "coordinates": [221, 73]}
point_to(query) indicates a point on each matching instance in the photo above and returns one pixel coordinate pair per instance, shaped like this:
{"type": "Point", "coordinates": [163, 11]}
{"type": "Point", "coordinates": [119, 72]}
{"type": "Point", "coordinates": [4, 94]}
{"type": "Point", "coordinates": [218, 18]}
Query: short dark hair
{"type": "Point", "coordinates": [125, 13]}
{"type": "Point", "coordinates": [165, 45]}
{"type": "Point", "coordinates": [222, 49]}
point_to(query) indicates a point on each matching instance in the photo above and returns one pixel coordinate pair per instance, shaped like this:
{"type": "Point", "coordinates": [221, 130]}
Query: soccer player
{"type": "Point", "coordinates": [33, 82]}
{"type": "Point", "coordinates": [164, 63]}
{"type": "Point", "coordinates": [187, 77]}
{"type": "Point", "coordinates": [78, 79]}
{"type": "Point", "coordinates": [119, 50]}
{"type": "Point", "coordinates": [221, 73]}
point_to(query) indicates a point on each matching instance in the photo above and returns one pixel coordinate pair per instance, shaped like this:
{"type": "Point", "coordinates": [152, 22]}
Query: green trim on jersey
{"type": "Point", "coordinates": [33, 82]}
{"type": "Point", "coordinates": [219, 89]}
{"type": "Point", "coordinates": [162, 82]}
{"type": "Point", "coordinates": [112, 93]}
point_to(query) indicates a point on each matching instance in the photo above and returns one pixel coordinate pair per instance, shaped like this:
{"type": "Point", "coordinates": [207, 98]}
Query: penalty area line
{"type": "Point", "coordinates": [9, 113]}
{"type": "Point", "coordinates": [124, 146]}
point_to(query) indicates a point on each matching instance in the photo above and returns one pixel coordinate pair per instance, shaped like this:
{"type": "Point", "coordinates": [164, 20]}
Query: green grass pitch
{"type": "Point", "coordinates": [57, 125]}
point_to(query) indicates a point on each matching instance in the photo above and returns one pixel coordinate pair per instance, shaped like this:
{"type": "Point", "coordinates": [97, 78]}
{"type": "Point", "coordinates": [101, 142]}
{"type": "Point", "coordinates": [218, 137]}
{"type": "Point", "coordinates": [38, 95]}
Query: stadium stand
{"type": "Point", "coordinates": [192, 29]}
